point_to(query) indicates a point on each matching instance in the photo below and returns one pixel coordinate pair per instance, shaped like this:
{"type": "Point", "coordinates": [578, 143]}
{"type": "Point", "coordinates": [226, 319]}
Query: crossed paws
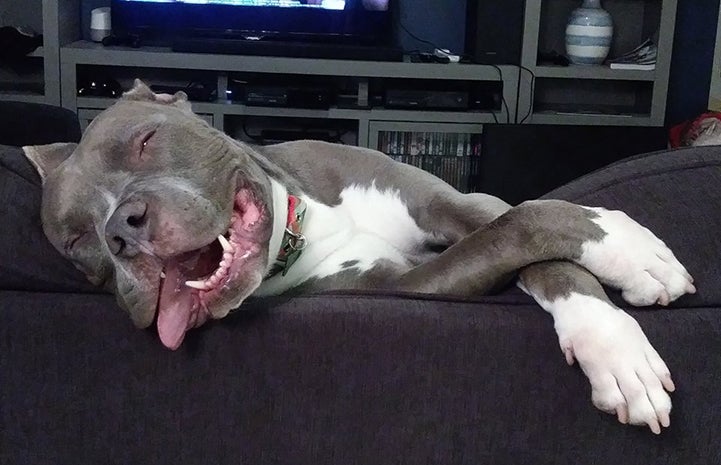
{"type": "Point", "coordinates": [633, 259]}
{"type": "Point", "coordinates": [628, 377]}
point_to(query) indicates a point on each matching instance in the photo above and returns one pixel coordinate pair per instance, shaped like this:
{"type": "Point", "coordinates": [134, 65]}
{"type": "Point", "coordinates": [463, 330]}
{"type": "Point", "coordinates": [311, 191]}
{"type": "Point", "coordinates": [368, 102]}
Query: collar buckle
{"type": "Point", "coordinates": [297, 241]}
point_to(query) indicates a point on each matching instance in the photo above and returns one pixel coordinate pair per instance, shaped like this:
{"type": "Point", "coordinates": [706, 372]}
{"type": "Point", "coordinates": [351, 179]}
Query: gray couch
{"type": "Point", "coordinates": [351, 378]}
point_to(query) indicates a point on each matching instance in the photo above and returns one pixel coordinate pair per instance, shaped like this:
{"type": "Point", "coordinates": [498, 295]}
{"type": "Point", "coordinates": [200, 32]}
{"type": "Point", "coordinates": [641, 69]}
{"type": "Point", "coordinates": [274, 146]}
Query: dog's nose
{"type": "Point", "coordinates": [127, 228]}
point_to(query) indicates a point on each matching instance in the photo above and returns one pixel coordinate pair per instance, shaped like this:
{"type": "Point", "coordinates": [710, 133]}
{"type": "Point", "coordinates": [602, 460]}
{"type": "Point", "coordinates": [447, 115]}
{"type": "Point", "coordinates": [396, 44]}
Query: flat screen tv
{"type": "Point", "coordinates": [355, 22]}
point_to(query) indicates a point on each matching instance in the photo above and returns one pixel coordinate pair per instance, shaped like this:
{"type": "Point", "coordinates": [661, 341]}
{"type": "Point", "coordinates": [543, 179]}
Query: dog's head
{"type": "Point", "coordinates": [168, 213]}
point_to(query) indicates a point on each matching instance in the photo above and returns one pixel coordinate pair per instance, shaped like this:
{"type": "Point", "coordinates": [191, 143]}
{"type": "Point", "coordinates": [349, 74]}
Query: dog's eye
{"type": "Point", "coordinates": [73, 241]}
{"type": "Point", "coordinates": [144, 142]}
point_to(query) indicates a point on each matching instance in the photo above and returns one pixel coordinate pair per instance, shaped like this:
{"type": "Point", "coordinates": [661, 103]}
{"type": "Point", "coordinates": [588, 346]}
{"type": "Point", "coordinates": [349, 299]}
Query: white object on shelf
{"type": "Point", "coordinates": [100, 23]}
{"type": "Point", "coordinates": [634, 66]}
{"type": "Point", "coordinates": [589, 32]}
{"type": "Point", "coordinates": [444, 52]}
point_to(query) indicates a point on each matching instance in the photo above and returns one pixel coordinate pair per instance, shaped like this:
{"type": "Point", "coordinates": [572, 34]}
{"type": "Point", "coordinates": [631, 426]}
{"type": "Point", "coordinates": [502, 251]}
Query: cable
{"type": "Point", "coordinates": [533, 90]}
{"type": "Point", "coordinates": [500, 72]}
{"type": "Point", "coordinates": [518, 92]}
{"type": "Point", "coordinates": [257, 139]}
{"type": "Point", "coordinates": [428, 42]}
{"type": "Point", "coordinates": [503, 99]}
{"type": "Point", "coordinates": [495, 118]}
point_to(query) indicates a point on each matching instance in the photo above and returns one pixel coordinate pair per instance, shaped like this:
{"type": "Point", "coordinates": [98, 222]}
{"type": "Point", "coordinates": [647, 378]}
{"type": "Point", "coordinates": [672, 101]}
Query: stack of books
{"type": "Point", "coordinates": [642, 57]}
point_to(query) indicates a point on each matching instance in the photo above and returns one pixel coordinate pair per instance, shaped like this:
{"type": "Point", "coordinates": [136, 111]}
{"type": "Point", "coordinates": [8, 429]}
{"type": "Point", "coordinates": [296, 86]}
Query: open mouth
{"type": "Point", "coordinates": [194, 281]}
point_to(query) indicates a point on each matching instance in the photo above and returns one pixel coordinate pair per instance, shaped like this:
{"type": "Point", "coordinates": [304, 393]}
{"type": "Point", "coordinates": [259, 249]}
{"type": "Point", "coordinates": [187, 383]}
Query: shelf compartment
{"type": "Point", "coordinates": [468, 95]}
{"type": "Point", "coordinates": [633, 22]}
{"type": "Point", "coordinates": [293, 91]}
{"type": "Point", "coordinates": [603, 98]}
{"type": "Point", "coordinates": [181, 78]}
{"type": "Point", "coordinates": [24, 78]}
{"type": "Point", "coordinates": [264, 130]}
{"type": "Point", "coordinates": [451, 152]}
{"type": "Point", "coordinates": [461, 172]}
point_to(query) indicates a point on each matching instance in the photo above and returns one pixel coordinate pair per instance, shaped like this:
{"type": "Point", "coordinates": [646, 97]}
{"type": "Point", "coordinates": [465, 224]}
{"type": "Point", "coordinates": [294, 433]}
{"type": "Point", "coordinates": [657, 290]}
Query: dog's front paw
{"type": "Point", "coordinates": [631, 258]}
{"type": "Point", "coordinates": [628, 378]}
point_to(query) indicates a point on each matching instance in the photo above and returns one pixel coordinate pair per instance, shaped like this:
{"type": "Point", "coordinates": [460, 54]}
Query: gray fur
{"type": "Point", "coordinates": [349, 264]}
{"type": "Point", "coordinates": [558, 280]}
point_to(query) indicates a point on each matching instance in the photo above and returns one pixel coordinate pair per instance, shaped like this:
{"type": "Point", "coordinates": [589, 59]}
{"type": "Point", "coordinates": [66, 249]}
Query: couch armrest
{"type": "Point", "coordinates": [677, 195]}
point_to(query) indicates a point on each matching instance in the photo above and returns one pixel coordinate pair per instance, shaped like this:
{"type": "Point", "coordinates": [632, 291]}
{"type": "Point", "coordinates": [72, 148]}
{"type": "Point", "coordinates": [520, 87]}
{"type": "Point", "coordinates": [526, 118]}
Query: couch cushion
{"type": "Point", "coordinates": [334, 380]}
{"type": "Point", "coordinates": [27, 260]}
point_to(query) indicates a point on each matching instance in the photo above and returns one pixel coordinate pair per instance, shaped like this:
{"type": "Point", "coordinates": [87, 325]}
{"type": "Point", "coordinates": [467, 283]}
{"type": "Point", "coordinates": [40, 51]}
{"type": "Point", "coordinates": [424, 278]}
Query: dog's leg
{"type": "Point", "coordinates": [626, 373]}
{"type": "Point", "coordinates": [609, 244]}
{"type": "Point", "coordinates": [628, 378]}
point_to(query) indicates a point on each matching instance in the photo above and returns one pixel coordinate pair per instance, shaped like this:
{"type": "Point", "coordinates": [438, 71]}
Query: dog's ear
{"type": "Point", "coordinates": [45, 158]}
{"type": "Point", "coordinates": [141, 92]}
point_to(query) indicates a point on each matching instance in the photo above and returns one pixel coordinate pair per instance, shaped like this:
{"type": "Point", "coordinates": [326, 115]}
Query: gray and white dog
{"type": "Point", "coordinates": [183, 223]}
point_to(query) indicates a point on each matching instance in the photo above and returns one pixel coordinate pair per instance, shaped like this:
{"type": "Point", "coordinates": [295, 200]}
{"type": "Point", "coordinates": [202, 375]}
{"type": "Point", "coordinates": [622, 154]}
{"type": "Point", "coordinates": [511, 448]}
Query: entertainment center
{"type": "Point", "coordinates": [452, 99]}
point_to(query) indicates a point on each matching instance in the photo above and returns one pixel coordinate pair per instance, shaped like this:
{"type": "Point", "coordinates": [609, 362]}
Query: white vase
{"type": "Point", "coordinates": [588, 34]}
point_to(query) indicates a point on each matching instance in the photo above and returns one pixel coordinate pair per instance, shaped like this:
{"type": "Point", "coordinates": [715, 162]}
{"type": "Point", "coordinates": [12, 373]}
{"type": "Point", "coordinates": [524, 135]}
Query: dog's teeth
{"type": "Point", "coordinates": [162, 274]}
{"type": "Point", "coordinates": [226, 245]}
{"type": "Point", "coordinates": [200, 285]}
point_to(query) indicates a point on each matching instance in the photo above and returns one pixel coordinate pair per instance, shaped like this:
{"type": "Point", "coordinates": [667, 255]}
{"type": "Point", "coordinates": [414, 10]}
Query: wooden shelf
{"type": "Point", "coordinates": [381, 114]}
{"type": "Point", "coordinates": [591, 119]}
{"type": "Point", "coordinates": [593, 72]}
{"type": "Point", "coordinates": [90, 53]}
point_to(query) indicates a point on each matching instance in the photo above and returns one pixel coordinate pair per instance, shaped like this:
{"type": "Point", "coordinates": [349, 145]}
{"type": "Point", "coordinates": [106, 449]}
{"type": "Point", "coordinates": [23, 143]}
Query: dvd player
{"type": "Point", "coordinates": [292, 97]}
{"type": "Point", "coordinates": [426, 99]}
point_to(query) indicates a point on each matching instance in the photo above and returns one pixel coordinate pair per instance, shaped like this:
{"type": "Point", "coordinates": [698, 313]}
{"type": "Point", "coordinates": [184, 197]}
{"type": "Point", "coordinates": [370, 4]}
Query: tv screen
{"type": "Point", "coordinates": [350, 21]}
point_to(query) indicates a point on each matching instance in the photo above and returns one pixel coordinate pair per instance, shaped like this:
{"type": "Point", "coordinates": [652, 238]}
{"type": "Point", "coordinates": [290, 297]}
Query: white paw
{"type": "Point", "coordinates": [633, 259]}
{"type": "Point", "coordinates": [628, 378]}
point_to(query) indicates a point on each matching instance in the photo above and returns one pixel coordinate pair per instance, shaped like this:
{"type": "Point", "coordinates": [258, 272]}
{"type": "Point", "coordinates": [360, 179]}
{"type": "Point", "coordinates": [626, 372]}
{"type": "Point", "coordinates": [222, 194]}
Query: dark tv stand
{"type": "Point", "coordinates": [287, 49]}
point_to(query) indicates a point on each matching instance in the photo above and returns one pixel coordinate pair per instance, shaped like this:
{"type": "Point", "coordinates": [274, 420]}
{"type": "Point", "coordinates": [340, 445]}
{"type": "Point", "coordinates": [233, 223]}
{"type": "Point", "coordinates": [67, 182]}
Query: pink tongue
{"type": "Point", "coordinates": [174, 308]}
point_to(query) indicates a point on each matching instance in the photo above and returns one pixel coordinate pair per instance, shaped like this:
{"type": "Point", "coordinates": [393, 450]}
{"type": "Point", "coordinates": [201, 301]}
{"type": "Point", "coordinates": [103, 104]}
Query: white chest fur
{"type": "Point", "coordinates": [368, 225]}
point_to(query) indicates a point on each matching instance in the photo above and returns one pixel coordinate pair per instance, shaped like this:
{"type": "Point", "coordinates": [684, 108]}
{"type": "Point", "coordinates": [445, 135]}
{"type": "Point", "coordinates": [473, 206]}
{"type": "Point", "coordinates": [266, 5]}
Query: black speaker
{"type": "Point", "coordinates": [494, 31]}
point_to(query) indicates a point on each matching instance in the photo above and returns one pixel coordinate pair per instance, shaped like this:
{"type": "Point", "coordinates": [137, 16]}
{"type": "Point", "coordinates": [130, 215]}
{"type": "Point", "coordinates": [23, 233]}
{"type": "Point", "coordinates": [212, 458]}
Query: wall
{"type": "Point", "coordinates": [691, 66]}
{"type": "Point", "coordinates": [714, 98]}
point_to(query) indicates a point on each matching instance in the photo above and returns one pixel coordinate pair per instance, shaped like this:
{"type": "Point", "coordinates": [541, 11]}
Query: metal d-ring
{"type": "Point", "coordinates": [298, 241]}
